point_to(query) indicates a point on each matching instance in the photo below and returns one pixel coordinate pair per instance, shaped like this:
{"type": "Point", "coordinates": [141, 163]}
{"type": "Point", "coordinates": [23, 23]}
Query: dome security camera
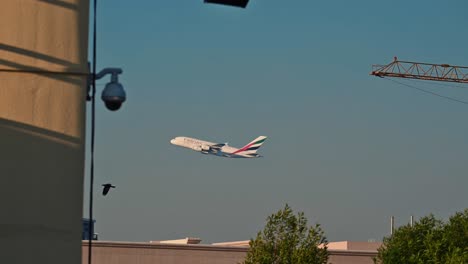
{"type": "Point", "coordinates": [113, 95]}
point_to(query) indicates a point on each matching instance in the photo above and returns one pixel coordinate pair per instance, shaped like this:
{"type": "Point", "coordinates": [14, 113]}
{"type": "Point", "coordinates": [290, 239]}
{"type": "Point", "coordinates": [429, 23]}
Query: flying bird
{"type": "Point", "coordinates": [106, 188]}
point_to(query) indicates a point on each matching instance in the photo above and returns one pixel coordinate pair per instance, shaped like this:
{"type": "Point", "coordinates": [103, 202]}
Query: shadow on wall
{"type": "Point", "coordinates": [59, 77]}
{"type": "Point", "coordinates": [35, 148]}
{"type": "Point", "coordinates": [27, 211]}
{"type": "Point", "coordinates": [36, 55]}
{"type": "Point", "coordinates": [68, 66]}
{"type": "Point", "coordinates": [27, 58]}
{"type": "Point", "coordinates": [61, 4]}
{"type": "Point", "coordinates": [65, 66]}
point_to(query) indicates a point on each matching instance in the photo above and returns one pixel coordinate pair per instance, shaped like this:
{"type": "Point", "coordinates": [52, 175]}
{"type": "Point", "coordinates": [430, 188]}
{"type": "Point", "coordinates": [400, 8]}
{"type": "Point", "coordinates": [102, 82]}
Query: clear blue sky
{"type": "Point", "coordinates": [348, 149]}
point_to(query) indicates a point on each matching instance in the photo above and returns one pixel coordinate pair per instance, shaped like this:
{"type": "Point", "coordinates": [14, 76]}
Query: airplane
{"type": "Point", "coordinates": [221, 149]}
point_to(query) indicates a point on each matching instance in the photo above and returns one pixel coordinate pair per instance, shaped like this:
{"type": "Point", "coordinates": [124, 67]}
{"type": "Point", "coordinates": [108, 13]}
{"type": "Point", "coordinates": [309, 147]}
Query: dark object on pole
{"type": "Point", "coordinates": [88, 227]}
{"type": "Point", "coordinates": [237, 3]}
{"type": "Point", "coordinates": [106, 189]}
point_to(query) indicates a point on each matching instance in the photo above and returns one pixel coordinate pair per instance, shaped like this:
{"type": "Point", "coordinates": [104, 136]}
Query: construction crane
{"type": "Point", "coordinates": [422, 71]}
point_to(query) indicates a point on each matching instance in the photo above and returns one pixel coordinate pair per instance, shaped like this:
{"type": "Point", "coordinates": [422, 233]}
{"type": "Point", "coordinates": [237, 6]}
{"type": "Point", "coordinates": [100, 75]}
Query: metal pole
{"type": "Point", "coordinates": [392, 224]}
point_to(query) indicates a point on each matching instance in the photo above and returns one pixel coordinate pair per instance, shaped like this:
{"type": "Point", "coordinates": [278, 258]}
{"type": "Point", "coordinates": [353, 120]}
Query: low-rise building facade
{"type": "Point", "coordinates": [190, 251]}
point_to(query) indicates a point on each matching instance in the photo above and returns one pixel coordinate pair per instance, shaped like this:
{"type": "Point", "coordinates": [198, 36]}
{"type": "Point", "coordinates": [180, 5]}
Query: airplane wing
{"type": "Point", "coordinates": [217, 146]}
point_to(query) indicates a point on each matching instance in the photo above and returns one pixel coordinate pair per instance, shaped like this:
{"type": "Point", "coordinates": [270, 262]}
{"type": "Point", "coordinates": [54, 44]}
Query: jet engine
{"type": "Point", "coordinates": [197, 148]}
{"type": "Point", "coordinates": [205, 147]}
{"type": "Point", "coordinates": [202, 148]}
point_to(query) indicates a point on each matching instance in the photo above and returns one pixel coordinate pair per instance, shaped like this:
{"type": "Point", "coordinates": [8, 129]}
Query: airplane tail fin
{"type": "Point", "coordinates": [253, 146]}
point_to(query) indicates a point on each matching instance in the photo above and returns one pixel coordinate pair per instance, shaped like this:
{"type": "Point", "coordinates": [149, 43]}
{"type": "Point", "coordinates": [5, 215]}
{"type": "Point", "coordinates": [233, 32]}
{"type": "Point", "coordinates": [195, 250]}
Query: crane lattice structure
{"type": "Point", "coordinates": [422, 71]}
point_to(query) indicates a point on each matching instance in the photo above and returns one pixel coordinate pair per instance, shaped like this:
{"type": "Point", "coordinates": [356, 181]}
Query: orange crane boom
{"type": "Point", "coordinates": [422, 71]}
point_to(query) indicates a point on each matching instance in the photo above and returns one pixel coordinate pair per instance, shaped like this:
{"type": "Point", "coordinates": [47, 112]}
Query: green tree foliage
{"type": "Point", "coordinates": [429, 241]}
{"type": "Point", "coordinates": [287, 239]}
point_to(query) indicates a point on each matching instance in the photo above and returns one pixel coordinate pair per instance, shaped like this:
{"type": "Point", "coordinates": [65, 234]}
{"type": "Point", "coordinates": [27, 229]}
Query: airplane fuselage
{"type": "Point", "coordinates": [206, 147]}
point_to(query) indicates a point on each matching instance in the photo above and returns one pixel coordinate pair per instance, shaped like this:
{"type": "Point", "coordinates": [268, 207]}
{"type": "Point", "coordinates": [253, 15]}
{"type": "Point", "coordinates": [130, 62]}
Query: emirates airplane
{"type": "Point", "coordinates": [220, 149]}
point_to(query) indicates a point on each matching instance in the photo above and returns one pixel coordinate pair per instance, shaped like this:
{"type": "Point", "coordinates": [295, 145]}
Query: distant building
{"type": "Point", "coordinates": [189, 250]}
{"type": "Point", "coordinates": [87, 224]}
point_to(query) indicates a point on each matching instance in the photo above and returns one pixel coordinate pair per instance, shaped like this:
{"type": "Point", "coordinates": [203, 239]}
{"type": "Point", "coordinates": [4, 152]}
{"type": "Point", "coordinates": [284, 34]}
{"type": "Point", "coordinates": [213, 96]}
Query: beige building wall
{"type": "Point", "coordinates": [42, 129]}
{"type": "Point", "coordinates": [351, 257]}
{"type": "Point", "coordinates": [111, 252]}
{"type": "Point", "coordinates": [155, 253]}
